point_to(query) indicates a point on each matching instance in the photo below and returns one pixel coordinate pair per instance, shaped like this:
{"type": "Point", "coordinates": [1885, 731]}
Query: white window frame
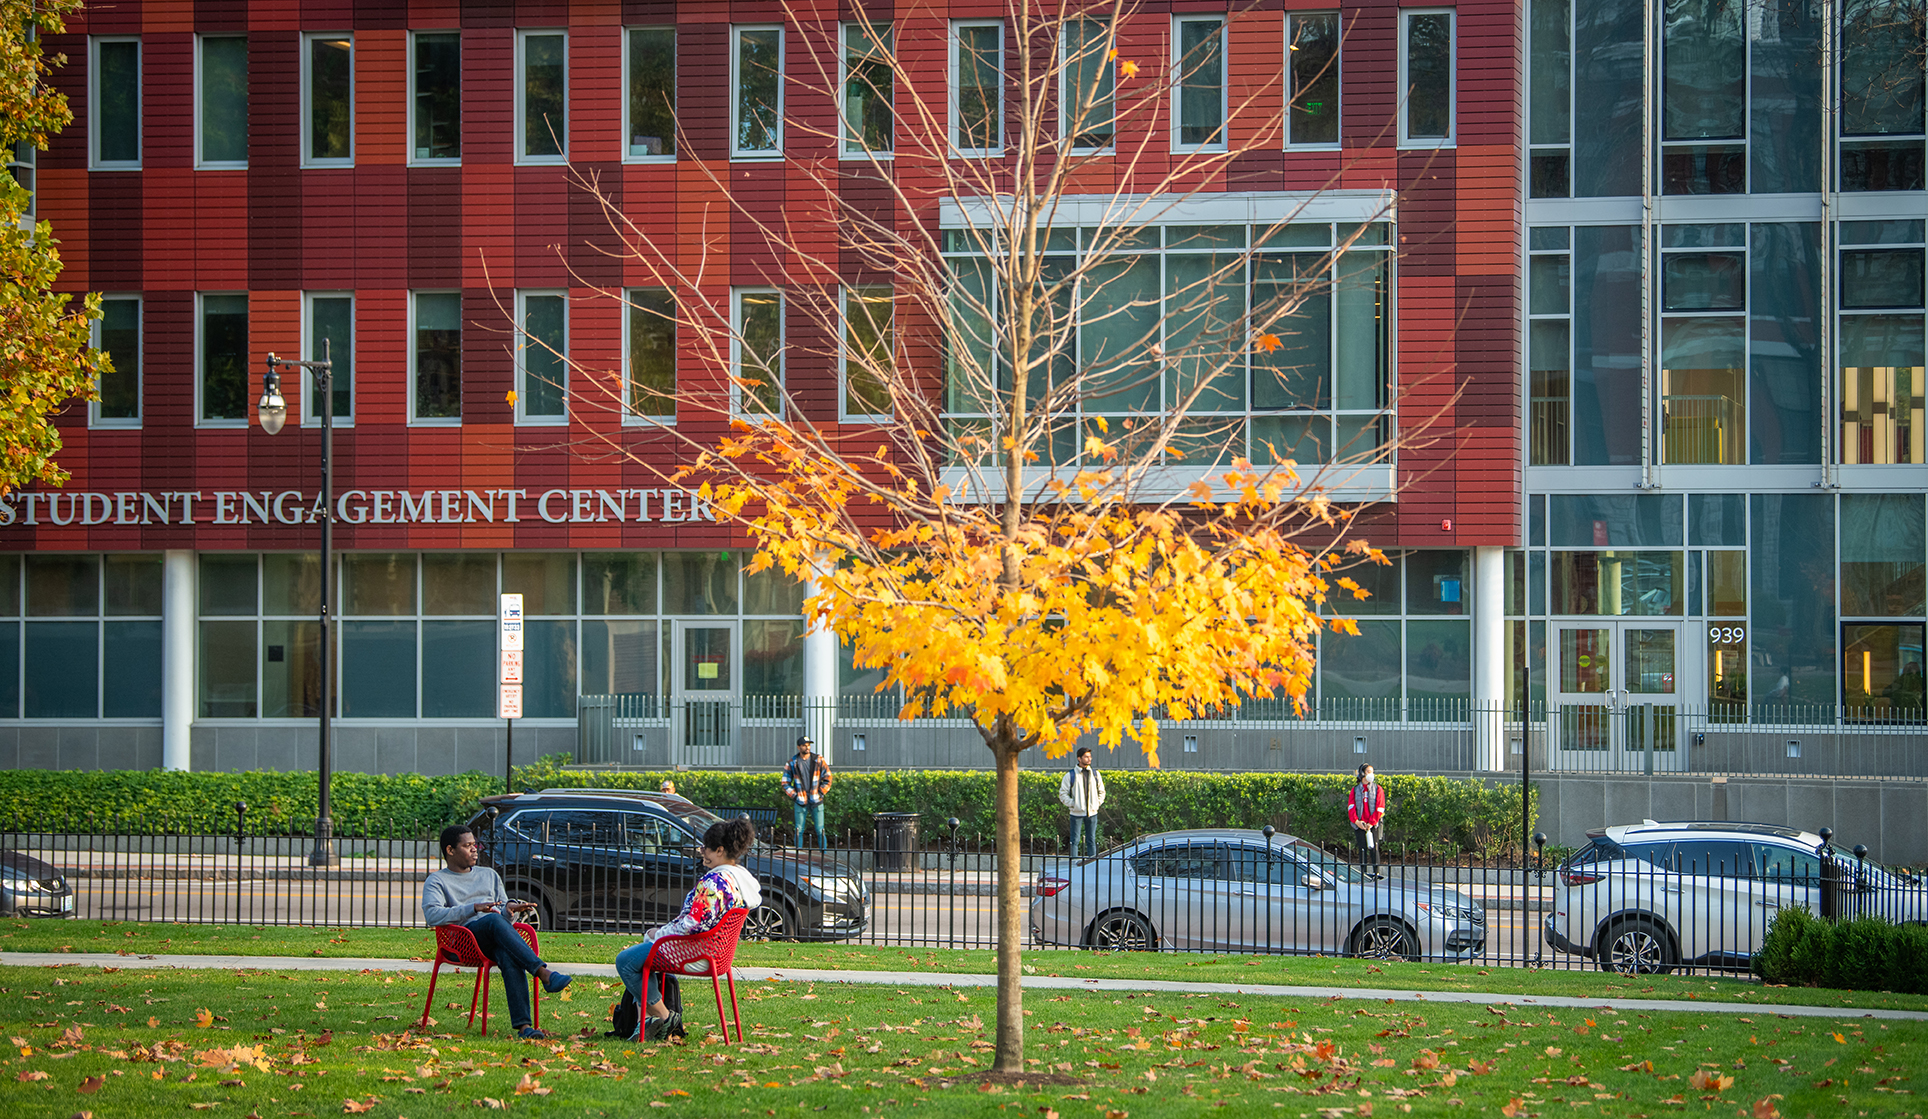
{"type": "Point", "coordinates": [737, 408]}
{"type": "Point", "coordinates": [849, 145]}
{"type": "Point", "coordinates": [94, 160]}
{"type": "Point", "coordinates": [630, 417]}
{"type": "Point", "coordinates": [1452, 81]}
{"type": "Point", "coordinates": [201, 418]}
{"type": "Point", "coordinates": [201, 164]}
{"type": "Point", "coordinates": [844, 293]}
{"type": "Point", "coordinates": [413, 419]}
{"type": "Point", "coordinates": [1064, 74]}
{"type": "Point", "coordinates": [94, 418]}
{"type": "Point", "coordinates": [735, 91]}
{"type": "Point", "coordinates": [957, 148]}
{"type": "Point", "coordinates": [522, 418]}
{"type": "Point", "coordinates": [413, 159]}
{"type": "Point", "coordinates": [1338, 75]}
{"type": "Point", "coordinates": [310, 414]}
{"type": "Point", "coordinates": [521, 98]}
{"type": "Point", "coordinates": [675, 77]}
{"type": "Point", "coordinates": [1177, 75]}
{"type": "Point", "coordinates": [308, 158]}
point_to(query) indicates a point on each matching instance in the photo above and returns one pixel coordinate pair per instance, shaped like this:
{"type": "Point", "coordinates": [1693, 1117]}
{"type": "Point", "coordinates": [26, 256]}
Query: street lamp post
{"type": "Point", "coordinates": [274, 412]}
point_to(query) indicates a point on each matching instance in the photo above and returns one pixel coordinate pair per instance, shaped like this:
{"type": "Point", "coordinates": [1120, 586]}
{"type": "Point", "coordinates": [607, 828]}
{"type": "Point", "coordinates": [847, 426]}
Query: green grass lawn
{"type": "Point", "coordinates": [134, 1041]}
{"type": "Point", "coordinates": [1574, 977]}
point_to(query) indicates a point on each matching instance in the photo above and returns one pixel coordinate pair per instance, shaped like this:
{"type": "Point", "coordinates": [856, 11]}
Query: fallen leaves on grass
{"type": "Point", "coordinates": [356, 1107]}
{"type": "Point", "coordinates": [1706, 1081]}
{"type": "Point", "coordinates": [91, 1085]}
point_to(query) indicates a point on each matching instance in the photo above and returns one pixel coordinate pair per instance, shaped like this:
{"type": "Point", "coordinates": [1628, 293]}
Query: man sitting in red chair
{"type": "Point", "coordinates": [726, 885]}
{"type": "Point", "coordinates": [473, 896]}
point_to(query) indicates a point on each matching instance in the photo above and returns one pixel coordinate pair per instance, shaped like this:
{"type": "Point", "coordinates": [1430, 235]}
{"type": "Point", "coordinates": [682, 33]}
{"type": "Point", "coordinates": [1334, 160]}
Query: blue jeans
{"type": "Point", "coordinates": [499, 941]}
{"type": "Point", "coordinates": [814, 813]}
{"type": "Point", "coordinates": [1087, 827]}
{"type": "Point", "coordinates": [629, 967]}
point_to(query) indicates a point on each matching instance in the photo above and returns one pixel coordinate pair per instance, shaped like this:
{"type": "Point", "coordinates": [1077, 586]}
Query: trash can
{"type": "Point", "coordinates": [896, 840]}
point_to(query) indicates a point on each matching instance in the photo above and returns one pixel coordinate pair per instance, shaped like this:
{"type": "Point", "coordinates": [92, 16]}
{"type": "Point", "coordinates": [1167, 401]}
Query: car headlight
{"type": "Point", "coordinates": [1461, 913]}
{"type": "Point", "coordinates": [830, 886]}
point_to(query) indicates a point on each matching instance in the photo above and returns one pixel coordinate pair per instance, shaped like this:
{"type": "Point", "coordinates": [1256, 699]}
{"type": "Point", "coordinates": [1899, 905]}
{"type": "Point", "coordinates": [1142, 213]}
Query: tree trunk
{"type": "Point", "coordinates": [1010, 917]}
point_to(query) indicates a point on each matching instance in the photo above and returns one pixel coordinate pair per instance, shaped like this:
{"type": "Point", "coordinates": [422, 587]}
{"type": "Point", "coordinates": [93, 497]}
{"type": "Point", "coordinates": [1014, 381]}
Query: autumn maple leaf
{"type": "Point", "coordinates": [1267, 343]}
{"type": "Point", "coordinates": [1765, 1109]}
{"type": "Point", "coordinates": [1704, 1080]}
{"type": "Point", "coordinates": [1128, 68]}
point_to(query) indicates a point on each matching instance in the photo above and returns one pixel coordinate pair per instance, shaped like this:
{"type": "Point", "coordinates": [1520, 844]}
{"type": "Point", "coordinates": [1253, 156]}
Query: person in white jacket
{"type": "Point", "coordinates": [1083, 792]}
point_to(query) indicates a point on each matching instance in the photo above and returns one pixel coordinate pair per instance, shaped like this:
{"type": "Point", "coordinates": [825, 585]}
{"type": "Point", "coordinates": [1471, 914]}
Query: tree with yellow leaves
{"type": "Point", "coordinates": [1040, 502]}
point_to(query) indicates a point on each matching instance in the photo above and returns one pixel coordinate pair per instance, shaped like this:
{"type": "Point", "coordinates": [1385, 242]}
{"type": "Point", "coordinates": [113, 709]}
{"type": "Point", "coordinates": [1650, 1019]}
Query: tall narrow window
{"type": "Point", "coordinates": [331, 319]}
{"type": "Point", "coordinates": [542, 365]}
{"type": "Point", "coordinates": [328, 95]}
{"type": "Point", "coordinates": [435, 101]}
{"type": "Point", "coordinates": [1198, 82]}
{"type": "Point", "coordinates": [114, 105]}
{"type": "Point", "coordinates": [1085, 109]}
{"type": "Point", "coordinates": [1549, 84]}
{"type": "Point", "coordinates": [1426, 78]}
{"type": "Point", "coordinates": [438, 355]}
{"type": "Point", "coordinates": [868, 352]}
{"type": "Point", "coordinates": [221, 102]}
{"type": "Point", "coordinates": [756, 92]}
{"type": "Point", "coordinates": [1703, 345]}
{"type": "Point", "coordinates": [869, 84]}
{"type": "Point", "coordinates": [1312, 64]}
{"type": "Point", "coordinates": [1549, 346]}
{"type": "Point", "coordinates": [1882, 102]}
{"type": "Point", "coordinates": [223, 345]}
{"type": "Point", "coordinates": [650, 108]}
{"type": "Point", "coordinates": [651, 325]}
{"type": "Point", "coordinates": [758, 352]}
{"type": "Point", "coordinates": [118, 335]}
{"type": "Point", "coordinates": [1704, 98]}
{"type": "Point", "coordinates": [1882, 351]}
{"type": "Point", "coordinates": [542, 96]}
{"type": "Point", "coordinates": [977, 84]}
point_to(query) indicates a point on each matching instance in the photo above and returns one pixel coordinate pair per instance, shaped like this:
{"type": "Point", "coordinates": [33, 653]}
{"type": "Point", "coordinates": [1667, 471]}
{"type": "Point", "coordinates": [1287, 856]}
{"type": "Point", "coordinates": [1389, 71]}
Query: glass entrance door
{"type": "Point", "coordinates": [1614, 693]}
{"type": "Point", "coordinates": [703, 708]}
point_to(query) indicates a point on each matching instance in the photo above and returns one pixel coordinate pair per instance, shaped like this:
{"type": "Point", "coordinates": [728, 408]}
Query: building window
{"type": "Point", "coordinates": [650, 323]}
{"type": "Point", "coordinates": [756, 92]}
{"type": "Point", "coordinates": [1881, 96]}
{"type": "Point", "coordinates": [977, 88]}
{"type": "Point", "coordinates": [650, 108]}
{"type": "Point", "coordinates": [1549, 346]}
{"type": "Point", "coordinates": [114, 105]}
{"type": "Point", "coordinates": [438, 356]}
{"type": "Point", "coordinates": [221, 102]}
{"type": "Point", "coordinates": [756, 352]}
{"type": "Point", "coordinates": [1312, 65]}
{"type": "Point", "coordinates": [330, 318]}
{"type": "Point", "coordinates": [869, 85]}
{"type": "Point", "coordinates": [1085, 94]}
{"type": "Point", "coordinates": [1549, 77]}
{"type": "Point", "coordinates": [89, 646]}
{"type": "Point", "coordinates": [1703, 98]}
{"type": "Point", "coordinates": [542, 352]}
{"type": "Point", "coordinates": [1426, 78]}
{"type": "Point", "coordinates": [1882, 359]}
{"type": "Point", "coordinates": [223, 359]}
{"type": "Point", "coordinates": [868, 354]}
{"type": "Point", "coordinates": [328, 101]}
{"type": "Point", "coordinates": [1198, 83]}
{"type": "Point", "coordinates": [435, 97]}
{"type": "Point", "coordinates": [1703, 344]}
{"type": "Point", "coordinates": [542, 96]}
{"type": "Point", "coordinates": [117, 334]}
{"type": "Point", "coordinates": [1412, 657]}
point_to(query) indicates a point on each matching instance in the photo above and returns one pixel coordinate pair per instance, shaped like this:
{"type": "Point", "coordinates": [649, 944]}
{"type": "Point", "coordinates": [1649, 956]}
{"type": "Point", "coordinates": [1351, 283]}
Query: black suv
{"type": "Point", "coordinates": [614, 859]}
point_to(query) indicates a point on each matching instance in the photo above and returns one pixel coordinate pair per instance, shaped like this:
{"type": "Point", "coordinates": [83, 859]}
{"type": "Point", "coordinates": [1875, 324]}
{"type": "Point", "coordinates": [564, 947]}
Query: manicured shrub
{"type": "Point", "coordinates": [1867, 954]}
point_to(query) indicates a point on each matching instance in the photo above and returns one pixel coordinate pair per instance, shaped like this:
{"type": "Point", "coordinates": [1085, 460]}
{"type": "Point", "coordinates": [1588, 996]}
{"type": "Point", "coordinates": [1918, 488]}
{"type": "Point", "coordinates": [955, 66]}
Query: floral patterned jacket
{"type": "Point", "coordinates": [716, 893]}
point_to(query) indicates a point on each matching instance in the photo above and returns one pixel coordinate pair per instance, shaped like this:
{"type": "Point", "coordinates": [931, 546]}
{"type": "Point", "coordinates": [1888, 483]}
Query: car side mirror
{"type": "Point", "coordinates": [1314, 882]}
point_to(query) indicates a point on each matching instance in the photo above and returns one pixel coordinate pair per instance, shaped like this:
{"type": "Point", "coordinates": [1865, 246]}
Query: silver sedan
{"type": "Point", "coordinates": [1233, 890]}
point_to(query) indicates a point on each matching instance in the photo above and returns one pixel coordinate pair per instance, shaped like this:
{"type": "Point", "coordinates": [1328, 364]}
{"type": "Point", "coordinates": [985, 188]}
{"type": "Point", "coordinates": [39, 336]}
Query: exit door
{"type": "Point", "coordinates": [703, 704]}
{"type": "Point", "coordinates": [1615, 696]}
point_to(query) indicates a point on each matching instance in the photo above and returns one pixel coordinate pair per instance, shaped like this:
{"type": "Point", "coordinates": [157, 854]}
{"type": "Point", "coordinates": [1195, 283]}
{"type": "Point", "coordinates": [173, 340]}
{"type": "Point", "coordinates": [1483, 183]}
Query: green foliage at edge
{"type": "Point", "coordinates": [1868, 954]}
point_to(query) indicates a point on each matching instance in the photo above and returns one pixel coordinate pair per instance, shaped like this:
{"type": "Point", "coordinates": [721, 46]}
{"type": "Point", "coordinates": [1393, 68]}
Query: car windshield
{"type": "Point", "coordinates": [696, 820]}
{"type": "Point", "coordinates": [1332, 867]}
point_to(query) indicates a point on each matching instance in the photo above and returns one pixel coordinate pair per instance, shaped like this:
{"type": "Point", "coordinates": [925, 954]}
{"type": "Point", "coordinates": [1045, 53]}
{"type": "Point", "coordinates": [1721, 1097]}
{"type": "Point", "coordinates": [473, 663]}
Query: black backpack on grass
{"type": "Point", "coordinates": [622, 1016]}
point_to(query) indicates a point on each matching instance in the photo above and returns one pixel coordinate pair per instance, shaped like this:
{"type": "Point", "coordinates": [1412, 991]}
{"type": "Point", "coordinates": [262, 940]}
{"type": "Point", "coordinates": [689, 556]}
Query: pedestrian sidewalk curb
{"type": "Point", "coordinates": [1031, 982]}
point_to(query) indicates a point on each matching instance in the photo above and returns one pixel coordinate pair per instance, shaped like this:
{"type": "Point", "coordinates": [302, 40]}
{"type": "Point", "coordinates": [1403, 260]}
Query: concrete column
{"type": "Point", "coordinates": [1489, 656]}
{"type": "Point", "coordinates": [177, 658]}
{"type": "Point", "coordinates": [820, 687]}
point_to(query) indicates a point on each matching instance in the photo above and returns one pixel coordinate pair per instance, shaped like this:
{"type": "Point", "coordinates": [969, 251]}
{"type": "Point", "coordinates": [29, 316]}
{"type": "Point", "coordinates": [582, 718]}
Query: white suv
{"type": "Point", "coordinates": [1653, 896]}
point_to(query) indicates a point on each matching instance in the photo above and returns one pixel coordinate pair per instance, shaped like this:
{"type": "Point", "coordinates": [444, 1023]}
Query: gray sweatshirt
{"type": "Point", "coordinates": [449, 897]}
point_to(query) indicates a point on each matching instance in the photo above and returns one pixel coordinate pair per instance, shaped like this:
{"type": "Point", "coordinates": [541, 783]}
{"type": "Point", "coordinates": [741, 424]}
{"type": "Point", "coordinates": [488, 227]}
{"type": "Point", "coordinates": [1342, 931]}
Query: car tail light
{"type": "Point", "coordinates": [1050, 887]}
{"type": "Point", "coordinates": [1574, 876]}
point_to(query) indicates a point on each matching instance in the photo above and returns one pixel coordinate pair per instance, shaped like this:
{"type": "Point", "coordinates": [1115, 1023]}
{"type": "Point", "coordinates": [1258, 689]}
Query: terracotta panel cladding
{"type": "Point", "coordinates": [595, 248]}
{"type": "Point", "coordinates": [433, 208]}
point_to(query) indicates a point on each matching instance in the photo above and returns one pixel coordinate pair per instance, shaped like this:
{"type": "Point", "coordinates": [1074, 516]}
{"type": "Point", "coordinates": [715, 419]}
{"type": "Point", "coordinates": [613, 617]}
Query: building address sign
{"type": "Point", "coordinates": [377, 507]}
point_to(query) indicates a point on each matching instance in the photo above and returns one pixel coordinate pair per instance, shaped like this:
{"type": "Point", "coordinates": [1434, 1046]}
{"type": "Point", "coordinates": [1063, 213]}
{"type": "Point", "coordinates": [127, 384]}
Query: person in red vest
{"type": "Point", "coordinates": [1366, 808]}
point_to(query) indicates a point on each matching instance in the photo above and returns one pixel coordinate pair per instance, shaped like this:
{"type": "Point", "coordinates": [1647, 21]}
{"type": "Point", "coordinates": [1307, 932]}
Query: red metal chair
{"type": "Point", "coordinates": [456, 946]}
{"type": "Point", "coordinates": [715, 950]}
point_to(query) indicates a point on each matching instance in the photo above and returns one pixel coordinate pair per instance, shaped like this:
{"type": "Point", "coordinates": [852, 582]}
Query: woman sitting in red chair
{"type": "Point", "coordinates": [724, 887]}
{"type": "Point", "coordinates": [473, 896]}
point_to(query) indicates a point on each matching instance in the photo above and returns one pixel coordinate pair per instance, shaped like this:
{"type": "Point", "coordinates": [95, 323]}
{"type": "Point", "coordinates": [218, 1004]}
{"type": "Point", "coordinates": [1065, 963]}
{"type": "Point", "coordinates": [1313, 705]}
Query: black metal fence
{"type": "Point", "coordinates": [1695, 903]}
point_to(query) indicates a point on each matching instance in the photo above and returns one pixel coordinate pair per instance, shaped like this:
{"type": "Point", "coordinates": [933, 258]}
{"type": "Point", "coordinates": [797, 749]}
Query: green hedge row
{"type": "Point", "coordinates": [1868, 954]}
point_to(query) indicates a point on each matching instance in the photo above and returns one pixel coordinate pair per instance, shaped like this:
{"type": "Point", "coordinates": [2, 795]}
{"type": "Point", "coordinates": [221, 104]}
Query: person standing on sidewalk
{"type": "Point", "coordinates": [1366, 808]}
{"type": "Point", "coordinates": [1083, 792]}
{"type": "Point", "coordinates": [472, 896]}
{"type": "Point", "coordinates": [806, 781]}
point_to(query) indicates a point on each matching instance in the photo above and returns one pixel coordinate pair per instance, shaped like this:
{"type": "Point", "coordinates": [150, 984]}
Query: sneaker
{"type": "Point", "coordinates": [662, 1029]}
{"type": "Point", "coordinates": [557, 981]}
{"type": "Point", "coordinates": [530, 1033]}
{"type": "Point", "coordinates": [676, 1026]}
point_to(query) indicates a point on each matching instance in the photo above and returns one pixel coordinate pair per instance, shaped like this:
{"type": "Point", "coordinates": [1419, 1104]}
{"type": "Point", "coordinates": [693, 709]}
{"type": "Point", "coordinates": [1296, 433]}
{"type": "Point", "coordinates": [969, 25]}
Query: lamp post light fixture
{"type": "Point", "coordinates": [274, 413]}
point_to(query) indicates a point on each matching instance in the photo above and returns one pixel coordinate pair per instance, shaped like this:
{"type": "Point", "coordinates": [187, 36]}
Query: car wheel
{"type": "Point", "coordinates": [1636, 948]}
{"type": "Point", "coordinates": [1383, 938]}
{"type": "Point", "coordinates": [1122, 932]}
{"type": "Point", "coordinates": [770, 921]}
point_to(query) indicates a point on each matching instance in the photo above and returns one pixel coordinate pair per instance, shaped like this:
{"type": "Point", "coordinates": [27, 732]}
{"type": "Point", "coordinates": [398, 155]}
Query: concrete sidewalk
{"type": "Point", "coordinates": [1031, 983]}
